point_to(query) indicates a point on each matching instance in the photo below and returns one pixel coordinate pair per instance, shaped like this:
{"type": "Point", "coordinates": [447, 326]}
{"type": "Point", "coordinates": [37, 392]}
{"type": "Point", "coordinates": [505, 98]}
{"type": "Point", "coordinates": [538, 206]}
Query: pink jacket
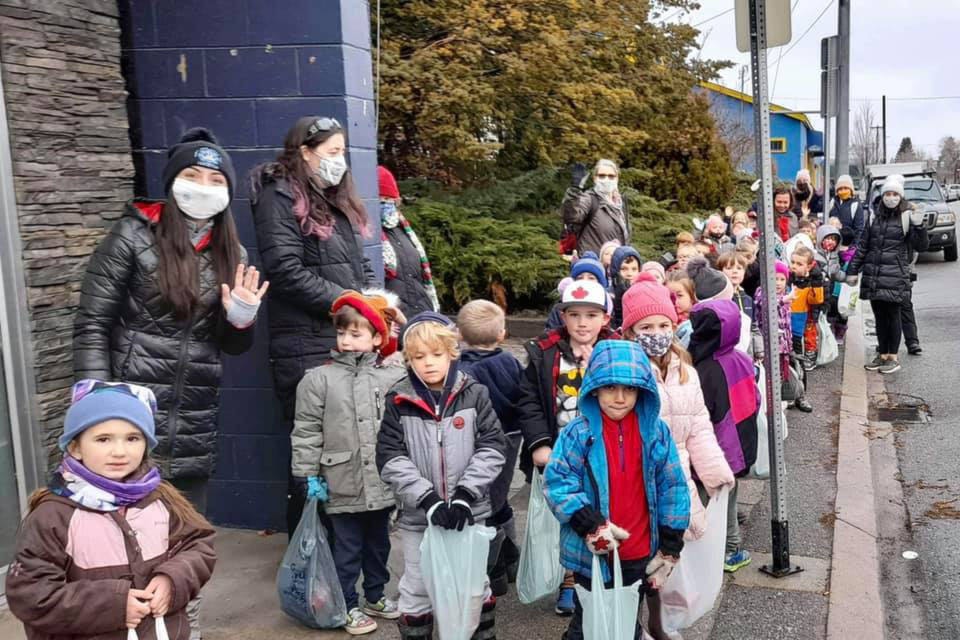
{"type": "Point", "coordinates": [682, 408]}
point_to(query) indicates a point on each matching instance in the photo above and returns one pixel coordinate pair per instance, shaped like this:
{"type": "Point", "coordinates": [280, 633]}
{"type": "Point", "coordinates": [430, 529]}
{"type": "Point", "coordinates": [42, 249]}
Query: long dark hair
{"type": "Point", "coordinates": [177, 272]}
{"type": "Point", "coordinates": [311, 206]}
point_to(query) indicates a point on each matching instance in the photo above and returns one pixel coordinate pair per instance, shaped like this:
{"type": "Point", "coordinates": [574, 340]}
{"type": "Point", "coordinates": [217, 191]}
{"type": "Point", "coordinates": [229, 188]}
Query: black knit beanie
{"type": "Point", "coordinates": [708, 283]}
{"type": "Point", "coordinates": [198, 147]}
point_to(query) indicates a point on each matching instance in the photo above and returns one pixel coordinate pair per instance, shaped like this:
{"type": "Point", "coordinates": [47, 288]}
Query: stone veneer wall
{"type": "Point", "coordinates": [73, 170]}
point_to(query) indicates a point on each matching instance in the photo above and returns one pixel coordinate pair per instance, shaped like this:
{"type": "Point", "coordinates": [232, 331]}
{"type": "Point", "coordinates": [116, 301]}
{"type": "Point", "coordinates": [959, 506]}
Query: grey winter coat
{"type": "Point", "coordinates": [419, 451]}
{"type": "Point", "coordinates": [339, 408]}
{"type": "Point", "coordinates": [830, 260]}
{"type": "Point", "coordinates": [595, 219]}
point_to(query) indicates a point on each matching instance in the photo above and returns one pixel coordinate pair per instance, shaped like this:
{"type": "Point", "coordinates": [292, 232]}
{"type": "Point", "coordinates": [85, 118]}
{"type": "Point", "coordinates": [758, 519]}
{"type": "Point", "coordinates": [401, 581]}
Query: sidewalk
{"type": "Point", "coordinates": [240, 602]}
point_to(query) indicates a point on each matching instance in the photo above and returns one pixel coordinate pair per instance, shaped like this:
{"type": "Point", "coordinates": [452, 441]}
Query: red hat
{"type": "Point", "coordinates": [378, 308]}
{"type": "Point", "coordinates": [645, 298]}
{"type": "Point", "coordinates": [388, 184]}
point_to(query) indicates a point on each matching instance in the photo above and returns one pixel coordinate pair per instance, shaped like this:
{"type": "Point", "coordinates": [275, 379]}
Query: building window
{"type": "Point", "coordinates": [778, 145]}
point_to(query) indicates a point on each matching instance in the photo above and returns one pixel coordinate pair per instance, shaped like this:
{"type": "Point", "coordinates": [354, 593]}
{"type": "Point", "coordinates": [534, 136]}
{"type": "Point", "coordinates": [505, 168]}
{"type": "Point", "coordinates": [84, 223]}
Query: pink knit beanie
{"type": "Point", "coordinates": [782, 268]}
{"type": "Point", "coordinates": [645, 298]}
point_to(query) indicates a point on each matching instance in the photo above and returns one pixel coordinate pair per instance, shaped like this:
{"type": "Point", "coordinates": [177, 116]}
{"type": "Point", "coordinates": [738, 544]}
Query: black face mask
{"type": "Point", "coordinates": [803, 192]}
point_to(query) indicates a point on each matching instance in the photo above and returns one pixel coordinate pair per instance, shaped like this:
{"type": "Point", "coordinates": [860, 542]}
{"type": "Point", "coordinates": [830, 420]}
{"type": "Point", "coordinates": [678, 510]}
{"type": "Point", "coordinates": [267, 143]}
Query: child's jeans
{"type": "Point", "coordinates": [633, 570]}
{"type": "Point", "coordinates": [414, 600]}
{"type": "Point", "coordinates": [361, 541]}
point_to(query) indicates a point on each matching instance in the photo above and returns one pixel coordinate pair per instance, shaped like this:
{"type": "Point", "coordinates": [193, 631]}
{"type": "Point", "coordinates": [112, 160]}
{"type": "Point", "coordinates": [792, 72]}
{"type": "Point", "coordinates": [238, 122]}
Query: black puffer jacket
{"type": "Point", "coordinates": [883, 256]}
{"type": "Point", "coordinates": [306, 275]}
{"type": "Point", "coordinates": [408, 283]}
{"type": "Point", "coordinates": [125, 330]}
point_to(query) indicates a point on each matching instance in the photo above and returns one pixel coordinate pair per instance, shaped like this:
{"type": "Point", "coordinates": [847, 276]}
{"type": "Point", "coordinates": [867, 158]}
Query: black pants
{"type": "Point", "coordinates": [887, 315]}
{"type": "Point", "coordinates": [361, 542]}
{"type": "Point", "coordinates": [194, 490]}
{"type": "Point", "coordinates": [633, 570]}
{"type": "Point", "coordinates": [909, 321]}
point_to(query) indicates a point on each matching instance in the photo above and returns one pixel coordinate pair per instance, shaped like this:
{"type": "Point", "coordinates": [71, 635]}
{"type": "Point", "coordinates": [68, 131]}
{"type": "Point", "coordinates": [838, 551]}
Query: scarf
{"type": "Point", "coordinates": [391, 221]}
{"type": "Point", "coordinates": [74, 481]}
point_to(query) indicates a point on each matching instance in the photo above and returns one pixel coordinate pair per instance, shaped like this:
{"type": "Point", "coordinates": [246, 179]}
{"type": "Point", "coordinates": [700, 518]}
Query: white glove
{"type": "Point", "coordinates": [659, 569]}
{"type": "Point", "coordinates": [916, 218]}
{"type": "Point", "coordinates": [606, 538]}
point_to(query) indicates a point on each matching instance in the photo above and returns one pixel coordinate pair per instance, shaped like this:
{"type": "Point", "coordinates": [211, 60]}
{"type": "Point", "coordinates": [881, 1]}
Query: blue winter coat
{"type": "Point", "coordinates": [576, 476]}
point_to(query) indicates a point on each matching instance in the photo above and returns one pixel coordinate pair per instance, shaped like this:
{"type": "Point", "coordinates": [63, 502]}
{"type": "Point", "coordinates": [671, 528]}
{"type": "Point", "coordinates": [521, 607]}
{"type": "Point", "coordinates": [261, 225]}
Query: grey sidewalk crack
{"type": "Point", "coordinates": [856, 527]}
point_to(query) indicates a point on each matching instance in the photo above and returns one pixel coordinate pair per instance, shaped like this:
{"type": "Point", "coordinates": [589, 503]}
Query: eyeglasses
{"type": "Point", "coordinates": [86, 387]}
{"type": "Point", "coordinates": [321, 125]}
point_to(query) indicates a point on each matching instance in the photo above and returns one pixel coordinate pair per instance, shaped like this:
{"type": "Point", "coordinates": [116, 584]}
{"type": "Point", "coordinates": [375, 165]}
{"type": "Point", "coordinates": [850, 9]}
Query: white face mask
{"type": "Point", "coordinates": [891, 201]}
{"type": "Point", "coordinates": [199, 201]}
{"type": "Point", "coordinates": [331, 170]}
{"type": "Point", "coordinates": [605, 186]}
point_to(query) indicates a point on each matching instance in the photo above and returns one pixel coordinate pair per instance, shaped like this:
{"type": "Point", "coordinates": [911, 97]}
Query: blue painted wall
{"type": "Point", "coordinates": [248, 69]}
{"type": "Point", "coordinates": [781, 126]}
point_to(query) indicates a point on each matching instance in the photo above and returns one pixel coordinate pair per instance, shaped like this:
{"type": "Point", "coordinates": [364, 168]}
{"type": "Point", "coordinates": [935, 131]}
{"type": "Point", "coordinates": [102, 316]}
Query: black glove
{"type": "Point", "coordinates": [298, 487]}
{"type": "Point", "coordinates": [461, 510]}
{"type": "Point", "coordinates": [578, 175]}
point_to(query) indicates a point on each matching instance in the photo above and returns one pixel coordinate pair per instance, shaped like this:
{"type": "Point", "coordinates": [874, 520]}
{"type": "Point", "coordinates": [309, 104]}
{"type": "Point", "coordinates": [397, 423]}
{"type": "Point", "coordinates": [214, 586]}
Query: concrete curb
{"type": "Point", "coordinates": [855, 609]}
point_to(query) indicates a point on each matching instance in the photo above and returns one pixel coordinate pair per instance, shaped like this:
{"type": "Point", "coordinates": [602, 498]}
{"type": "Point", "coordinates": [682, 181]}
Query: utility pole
{"type": "Point", "coordinates": [876, 145]}
{"type": "Point", "coordinates": [843, 102]}
{"type": "Point", "coordinates": [884, 121]}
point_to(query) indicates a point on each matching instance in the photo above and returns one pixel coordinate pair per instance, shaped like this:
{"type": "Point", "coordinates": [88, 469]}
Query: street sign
{"type": "Point", "coordinates": [829, 78]}
{"type": "Point", "coordinates": [778, 23]}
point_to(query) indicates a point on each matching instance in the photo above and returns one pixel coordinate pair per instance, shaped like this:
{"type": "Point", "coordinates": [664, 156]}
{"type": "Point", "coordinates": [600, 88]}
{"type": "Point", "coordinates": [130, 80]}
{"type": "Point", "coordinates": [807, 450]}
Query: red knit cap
{"type": "Point", "coordinates": [388, 184]}
{"type": "Point", "coordinates": [645, 298]}
{"type": "Point", "coordinates": [377, 310]}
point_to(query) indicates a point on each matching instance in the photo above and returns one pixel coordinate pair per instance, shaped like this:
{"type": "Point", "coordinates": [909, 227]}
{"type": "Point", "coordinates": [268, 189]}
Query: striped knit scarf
{"type": "Point", "coordinates": [390, 255]}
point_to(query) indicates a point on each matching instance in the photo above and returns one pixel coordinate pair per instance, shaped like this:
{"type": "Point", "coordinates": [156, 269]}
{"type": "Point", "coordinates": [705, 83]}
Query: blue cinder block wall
{"type": "Point", "coordinates": [247, 69]}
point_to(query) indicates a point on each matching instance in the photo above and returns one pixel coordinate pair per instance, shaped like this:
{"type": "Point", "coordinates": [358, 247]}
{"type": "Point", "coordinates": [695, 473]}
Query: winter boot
{"type": "Point", "coordinates": [416, 627]}
{"type": "Point", "coordinates": [511, 558]}
{"type": "Point", "coordinates": [486, 630]}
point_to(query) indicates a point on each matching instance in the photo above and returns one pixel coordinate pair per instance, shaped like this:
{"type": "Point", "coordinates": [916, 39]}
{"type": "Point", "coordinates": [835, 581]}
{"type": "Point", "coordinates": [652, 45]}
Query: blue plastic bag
{"type": "Point", "coordinates": [454, 567]}
{"type": "Point", "coordinates": [307, 582]}
{"type": "Point", "coordinates": [609, 614]}
{"type": "Point", "coordinates": [540, 573]}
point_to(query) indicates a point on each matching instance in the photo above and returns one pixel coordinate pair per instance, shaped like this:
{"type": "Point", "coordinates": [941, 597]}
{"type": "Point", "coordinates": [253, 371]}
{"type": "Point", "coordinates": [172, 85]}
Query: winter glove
{"type": "Point", "coordinates": [606, 538]}
{"type": "Point", "coordinates": [916, 218]}
{"type": "Point", "coordinates": [853, 280]}
{"type": "Point", "coordinates": [461, 509]}
{"type": "Point", "coordinates": [659, 569]}
{"type": "Point", "coordinates": [317, 488]}
{"type": "Point", "coordinates": [579, 175]}
{"type": "Point", "coordinates": [839, 275]}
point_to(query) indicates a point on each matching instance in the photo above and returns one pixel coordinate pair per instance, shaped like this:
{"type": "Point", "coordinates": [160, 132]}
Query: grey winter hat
{"type": "Point", "coordinates": [708, 283]}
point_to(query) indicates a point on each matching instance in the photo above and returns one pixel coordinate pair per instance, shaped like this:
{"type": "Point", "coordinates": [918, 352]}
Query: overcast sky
{"type": "Point", "coordinates": [901, 49]}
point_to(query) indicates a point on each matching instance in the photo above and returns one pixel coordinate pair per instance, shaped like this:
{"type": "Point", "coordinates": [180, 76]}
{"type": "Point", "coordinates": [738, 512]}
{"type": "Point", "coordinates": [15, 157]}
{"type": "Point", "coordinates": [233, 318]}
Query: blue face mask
{"type": "Point", "coordinates": [389, 215]}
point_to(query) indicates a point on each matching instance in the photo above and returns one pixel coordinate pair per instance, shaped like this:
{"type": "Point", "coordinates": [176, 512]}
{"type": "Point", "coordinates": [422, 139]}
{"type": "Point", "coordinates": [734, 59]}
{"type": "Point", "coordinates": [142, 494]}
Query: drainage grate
{"type": "Point", "coordinates": [901, 407]}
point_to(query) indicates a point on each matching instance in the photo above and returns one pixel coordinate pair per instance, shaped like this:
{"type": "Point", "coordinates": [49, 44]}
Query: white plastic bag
{"type": "Point", "coordinates": [540, 573]}
{"type": "Point", "coordinates": [847, 301]}
{"type": "Point", "coordinates": [159, 629]}
{"type": "Point", "coordinates": [609, 614]}
{"type": "Point", "coordinates": [746, 325]}
{"type": "Point", "coordinates": [827, 342]}
{"type": "Point", "coordinates": [693, 587]}
{"type": "Point", "coordinates": [761, 468]}
{"type": "Point", "coordinates": [454, 566]}
{"type": "Point", "coordinates": [307, 582]}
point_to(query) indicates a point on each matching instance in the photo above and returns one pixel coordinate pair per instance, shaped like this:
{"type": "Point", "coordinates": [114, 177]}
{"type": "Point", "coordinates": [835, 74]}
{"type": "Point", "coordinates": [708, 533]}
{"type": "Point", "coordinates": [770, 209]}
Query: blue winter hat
{"type": "Point", "coordinates": [95, 401]}
{"type": "Point", "coordinates": [420, 318]}
{"type": "Point", "coordinates": [589, 265]}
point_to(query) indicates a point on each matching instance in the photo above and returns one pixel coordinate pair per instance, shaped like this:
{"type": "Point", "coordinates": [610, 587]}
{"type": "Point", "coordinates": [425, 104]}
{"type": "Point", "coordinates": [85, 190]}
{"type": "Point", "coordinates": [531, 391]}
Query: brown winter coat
{"type": "Point", "coordinates": [74, 566]}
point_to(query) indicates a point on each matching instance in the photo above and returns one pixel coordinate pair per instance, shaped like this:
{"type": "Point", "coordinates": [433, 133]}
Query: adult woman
{"type": "Point", "coordinates": [309, 219]}
{"type": "Point", "coordinates": [882, 267]}
{"type": "Point", "coordinates": [787, 223]}
{"type": "Point", "coordinates": [597, 215]}
{"type": "Point", "coordinates": [155, 308]}
{"type": "Point", "coordinates": [807, 202]}
{"type": "Point", "coordinates": [405, 264]}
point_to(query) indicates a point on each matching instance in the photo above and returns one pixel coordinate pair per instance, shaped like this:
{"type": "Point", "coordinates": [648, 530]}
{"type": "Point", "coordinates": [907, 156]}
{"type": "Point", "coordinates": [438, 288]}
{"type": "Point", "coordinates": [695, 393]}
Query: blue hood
{"type": "Point", "coordinates": [622, 253]}
{"type": "Point", "coordinates": [619, 362]}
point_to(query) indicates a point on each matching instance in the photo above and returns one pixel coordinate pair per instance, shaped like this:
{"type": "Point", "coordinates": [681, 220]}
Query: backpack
{"type": "Point", "coordinates": [570, 235]}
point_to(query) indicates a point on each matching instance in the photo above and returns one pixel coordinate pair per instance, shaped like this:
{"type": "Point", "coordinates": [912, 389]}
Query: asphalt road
{"type": "Point", "coordinates": [928, 453]}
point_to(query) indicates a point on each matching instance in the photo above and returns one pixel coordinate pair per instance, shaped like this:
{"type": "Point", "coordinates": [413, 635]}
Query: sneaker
{"type": "Point", "coordinates": [914, 350]}
{"type": "Point", "coordinates": [889, 367]}
{"type": "Point", "coordinates": [810, 362]}
{"type": "Point", "coordinates": [382, 608]}
{"type": "Point", "coordinates": [735, 561]}
{"type": "Point", "coordinates": [802, 404]}
{"type": "Point", "coordinates": [874, 364]}
{"type": "Point", "coordinates": [565, 606]}
{"type": "Point", "coordinates": [358, 623]}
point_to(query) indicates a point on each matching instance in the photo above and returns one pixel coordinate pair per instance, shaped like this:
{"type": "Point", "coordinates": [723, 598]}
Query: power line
{"type": "Point", "coordinates": [712, 18]}
{"type": "Point", "coordinates": [776, 73]}
{"type": "Point", "coordinates": [812, 24]}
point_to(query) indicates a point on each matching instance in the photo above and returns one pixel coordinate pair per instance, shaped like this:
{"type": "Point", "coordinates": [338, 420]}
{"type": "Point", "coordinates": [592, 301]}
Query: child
{"type": "Point", "coordinates": [550, 388]}
{"type": "Point", "coordinates": [749, 248]}
{"type": "Point", "coordinates": [437, 413]}
{"type": "Point", "coordinates": [615, 480]}
{"type": "Point", "coordinates": [626, 267]}
{"type": "Point", "coordinates": [683, 239]}
{"type": "Point", "coordinates": [656, 270]}
{"type": "Point", "coordinates": [807, 283]}
{"type": "Point", "coordinates": [339, 408]}
{"type": "Point", "coordinates": [804, 238]}
{"type": "Point", "coordinates": [482, 326]}
{"type": "Point", "coordinates": [108, 545]}
{"type": "Point", "coordinates": [715, 233]}
{"type": "Point", "coordinates": [684, 296]}
{"type": "Point", "coordinates": [834, 273]}
{"type": "Point", "coordinates": [784, 331]}
{"type": "Point", "coordinates": [732, 398]}
{"type": "Point", "coordinates": [606, 256]}
{"type": "Point", "coordinates": [650, 319]}
{"type": "Point", "coordinates": [585, 268]}
{"type": "Point", "coordinates": [733, 264]}
{"type": "Point", "coordinates": [684, 253]}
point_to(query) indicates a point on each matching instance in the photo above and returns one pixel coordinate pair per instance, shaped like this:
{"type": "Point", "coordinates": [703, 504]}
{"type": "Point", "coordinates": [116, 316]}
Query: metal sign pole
{"type": "Point", "coordinates": [826, 170]}
{"type": "Point", "coordinates": [780, 565]}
